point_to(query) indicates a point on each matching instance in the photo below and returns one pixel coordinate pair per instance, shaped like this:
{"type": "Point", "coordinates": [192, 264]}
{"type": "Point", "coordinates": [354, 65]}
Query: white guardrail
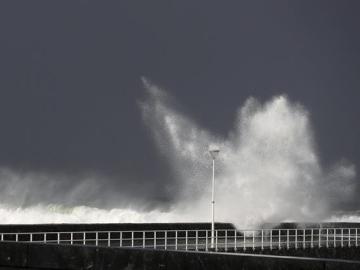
{"type": "Point", "coordinates": [199, 240]}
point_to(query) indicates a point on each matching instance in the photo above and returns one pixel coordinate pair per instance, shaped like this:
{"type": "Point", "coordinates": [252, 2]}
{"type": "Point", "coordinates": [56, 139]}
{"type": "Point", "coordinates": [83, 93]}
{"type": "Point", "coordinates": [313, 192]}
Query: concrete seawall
{"type": "Point", "coordinates": [346, 253]}
{"type": "Point", "coordinates": [48, 256]}
{"type": "Point", "coordinates": [13, 228]}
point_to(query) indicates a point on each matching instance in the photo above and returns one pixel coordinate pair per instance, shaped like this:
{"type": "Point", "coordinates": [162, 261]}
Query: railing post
{"type": "Point", "coordinates": [196, 240]}
{"type": "Point", "coordinates": [206, 240]}
{"type": "Point", "coordinates": [31, 237]}
{"type": "Point", "coordinates": [349, 237]}
{"type": "Point", "coordinates": [356, 237]}
{"type": "Point", "coordinates": [216, 240]}
{"type": "Point", "coordinates": [186, 240]}
{"type": "Point", "coordinates": [334, 237]}
{"type": "Point", "coordinates": [244, 240]}
{"type": "Point", "coordinates": [287, 239]}
{"type": "Point", "coordinates": [253, 240]}
{"type": "Point", "coordinates": [296, 238]}
{"type": "Point", "coordinates": [71, 238]}
{"type": "Point", "coordinates": [176, 240]}
{"type": "Point", "coordinates": [58, 238]}
{"type": "Point", "coordinates": [279, 239]}
{"type": "Point", "coordinates": [304, 240]}
{"type": "Point", "coordinates": [342, 237]}
{"type": "Point", "coordinates": [270, 239]}
{"type": "Point", "coordinates": [165, 244]}
{"type": "Point", "coordinates": [121, 240]}
{"type": "Point", "coordinates": [319, 237]}
{"type": "Point", "coordinates": [84, 238]}
{"type": "Point", "coordinates": [132, 239]}
{"type": "Point", "coordinates": [312, 238]}
{"type": "Point", "coordinates": [96, 239]}
{"type": "Point", "coordinates": [16, 237]}
{"type": "Point", "coordinates": [226, 248]}
{"type": "Point", "coordinates": [108, 239]}
{"type": "Point", "coordinates": [143, 240]}
{"type": "Point", "coordinates": [235, 237]}
{"type": "Point", "coordinates": [154, 240]}
{"type": "Point", "coordinates": [327, 238]}
{"type": "Point", "coordinates": [262, 239]}
{"type": "Point", "coordinates": [2, 237]}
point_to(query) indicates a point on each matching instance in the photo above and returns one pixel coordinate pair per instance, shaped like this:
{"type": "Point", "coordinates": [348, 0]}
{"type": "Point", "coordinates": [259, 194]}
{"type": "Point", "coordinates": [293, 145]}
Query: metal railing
{"type": "Point", "coordinates": [199, 240]}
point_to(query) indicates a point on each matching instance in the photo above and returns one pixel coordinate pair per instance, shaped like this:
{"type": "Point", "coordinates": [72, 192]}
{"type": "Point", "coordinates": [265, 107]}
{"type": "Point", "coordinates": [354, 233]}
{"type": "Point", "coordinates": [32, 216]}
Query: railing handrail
{"type": "Point", "coordinates": [183, 230]}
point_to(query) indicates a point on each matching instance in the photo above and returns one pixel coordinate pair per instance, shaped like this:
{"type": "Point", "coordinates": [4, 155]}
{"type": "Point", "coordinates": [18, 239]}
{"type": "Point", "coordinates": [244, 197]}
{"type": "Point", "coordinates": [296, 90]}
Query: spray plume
{"type": "Point", "coordinates": [267, 171]}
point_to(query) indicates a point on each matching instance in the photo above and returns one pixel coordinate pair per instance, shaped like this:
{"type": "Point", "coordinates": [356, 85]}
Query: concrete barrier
{"type": "Point", "coordinates": [49, 256]}
{"type": "Point", "coordinates": [71, 227]}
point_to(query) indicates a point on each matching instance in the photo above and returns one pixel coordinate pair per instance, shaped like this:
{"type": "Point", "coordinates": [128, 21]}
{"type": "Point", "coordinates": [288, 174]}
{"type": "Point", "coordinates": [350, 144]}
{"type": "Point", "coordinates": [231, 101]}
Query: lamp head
{"type": "Point", "coordinates": [214, 151]}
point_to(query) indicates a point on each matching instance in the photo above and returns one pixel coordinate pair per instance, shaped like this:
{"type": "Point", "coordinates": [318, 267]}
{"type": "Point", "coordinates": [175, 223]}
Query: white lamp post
{"type": "Point", "coordinates": [214, 152]}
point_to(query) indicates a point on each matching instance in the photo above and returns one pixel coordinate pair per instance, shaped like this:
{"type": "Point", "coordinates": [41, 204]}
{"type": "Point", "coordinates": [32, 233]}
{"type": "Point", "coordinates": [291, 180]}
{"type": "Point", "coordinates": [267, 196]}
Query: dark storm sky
{"type": "Point", "coordinates": [70, 77]}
